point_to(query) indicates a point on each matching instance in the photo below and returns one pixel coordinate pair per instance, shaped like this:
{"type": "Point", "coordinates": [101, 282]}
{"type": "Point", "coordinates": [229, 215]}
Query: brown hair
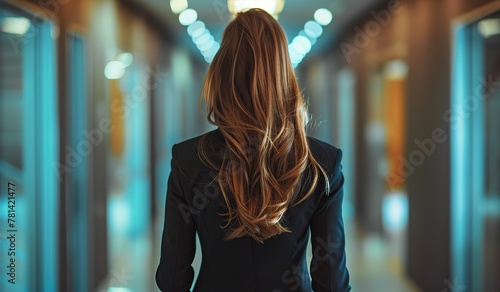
{"type": "Point", "coordinates": [251, 94]}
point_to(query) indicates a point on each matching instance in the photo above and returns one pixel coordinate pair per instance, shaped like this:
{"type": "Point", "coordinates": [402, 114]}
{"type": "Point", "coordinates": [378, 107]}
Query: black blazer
{"type": "Point", "coordinates": [279, 264]}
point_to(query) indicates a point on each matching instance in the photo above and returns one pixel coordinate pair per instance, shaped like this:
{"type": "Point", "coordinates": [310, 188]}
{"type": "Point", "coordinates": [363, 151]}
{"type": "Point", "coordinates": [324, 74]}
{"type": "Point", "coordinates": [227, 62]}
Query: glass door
{"type": "Point", "coordinates": [17, 168]}
{"type": "Point", "coordinates": [475, 161]}
{"type": "Point", "coordinates": [29, 151]}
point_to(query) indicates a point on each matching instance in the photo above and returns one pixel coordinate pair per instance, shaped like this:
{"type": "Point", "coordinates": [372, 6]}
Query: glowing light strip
{"type": "Point", "coordinates": [208, 47]}
{"type": "Point", "coordinates": [200, 35]}
{"type": "Point", "coordinates": [305, 40]}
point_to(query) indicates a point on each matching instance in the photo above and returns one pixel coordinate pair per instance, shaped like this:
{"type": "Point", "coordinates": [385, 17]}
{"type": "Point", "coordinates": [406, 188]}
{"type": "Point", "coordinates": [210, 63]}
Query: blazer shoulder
{"type": "Point", "coordinates": [186, 152]}
{"type": "Point", "coordinates": [327, 155]}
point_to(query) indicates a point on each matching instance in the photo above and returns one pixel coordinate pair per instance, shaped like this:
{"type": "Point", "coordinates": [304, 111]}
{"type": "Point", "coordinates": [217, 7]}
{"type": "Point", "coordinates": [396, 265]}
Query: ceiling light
{"type": "Point", "coordinates": [273, 7]}
{"type": "Point", "coordinates": [212, 50]}
{"type": "Point", "coordinates": [301, 44]}
{"type": "Point", "coordinates": [178, 6]}
{"type": "Point", "coordinates": [114, 70]}
{"type": "Point", "coordinates": [196, 28]}
{"type": "Point", "coordinates": [313, 29]}
{"type": "Point", "coordinates": [312, 40]}
{"type": "Point", "coordinates": [15, 25]}
{"type": "Point", "coordinates": [207, 45]}
{"type": "Point", "coordinates": [323, 16]}
{"type": "Point", "coordinates": [489, 27]}
{"type": "Point", "coordinates": [295, 56]}
{"type": "Point", "coordinates": [203, 39]}
{"type": "Point", "coordinates": [198, 33]}
{"type": "Point", "coordinates": [126, 58]}
{"type": "Point", "coordinates": [209, 59]}
{"type": "Point", "coordinates": [188, 17]}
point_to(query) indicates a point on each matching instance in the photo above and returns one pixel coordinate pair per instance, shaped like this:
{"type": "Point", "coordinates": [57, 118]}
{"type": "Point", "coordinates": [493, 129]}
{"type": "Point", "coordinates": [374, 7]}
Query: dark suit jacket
{"type": "Point", "coordinates": [279, 264]}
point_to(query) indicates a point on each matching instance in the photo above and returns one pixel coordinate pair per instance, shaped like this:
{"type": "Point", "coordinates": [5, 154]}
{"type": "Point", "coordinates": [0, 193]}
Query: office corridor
{"type": "Point", "coordinates": [94, 94]}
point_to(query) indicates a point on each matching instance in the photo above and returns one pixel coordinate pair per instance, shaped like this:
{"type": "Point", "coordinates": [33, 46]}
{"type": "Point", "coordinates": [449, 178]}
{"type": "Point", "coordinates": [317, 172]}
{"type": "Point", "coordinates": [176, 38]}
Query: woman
{"type": "Point", "coordinates": [254, 187]}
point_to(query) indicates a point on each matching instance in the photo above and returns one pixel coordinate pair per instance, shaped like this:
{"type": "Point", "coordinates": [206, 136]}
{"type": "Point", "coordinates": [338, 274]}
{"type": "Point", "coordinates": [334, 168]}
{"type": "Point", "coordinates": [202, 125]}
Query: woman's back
{"type": "Point", "coordinates": [254, 187]}
{"type": "Point", "coordinates": [194, 203]}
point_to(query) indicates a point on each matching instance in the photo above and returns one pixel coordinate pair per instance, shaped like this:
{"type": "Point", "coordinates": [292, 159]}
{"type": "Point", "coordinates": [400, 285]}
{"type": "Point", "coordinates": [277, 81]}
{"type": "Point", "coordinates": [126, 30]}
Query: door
{"type": "Point", "coordinates": [475, 161]}
{"type": "Point", "coordinates": [29, 148]}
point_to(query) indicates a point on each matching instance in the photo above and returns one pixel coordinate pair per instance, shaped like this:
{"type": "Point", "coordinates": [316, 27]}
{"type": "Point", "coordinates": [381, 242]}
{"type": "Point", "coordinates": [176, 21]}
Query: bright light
{"type": "Point", "coordinates": [178, 6]}
{"type": "Point", "coordinates": [188, 17]}
{"type": "Point", "coordinates": [207, 45]}
{"type": "Point", "coordinates": [119, 214]}
{"type": "Point", "coordinates": [126, 58]}
{"type": "Point", "coordinates": [114, 70]}
{"type": "Point", "coordinates": [323, 16]}
{"type": "Point", "coordinates": [15, 25]}
{"type": "Point", "coordinates": [209, 59]}
{"type": "Point", "coordinates": [199, 33]}
{"type": "Point", "coordinates": [210, 53]}
{"type": "Point", "coordinates": [304, 34]}
{"type": "Point", "coordinates": [196, 28]}
{"type": "Point", "coordinates": [212, 50]}
{"type": "Point", "coordinates": [489, 27]}
{"type": "Point", "coordinates": [273, 7]}
{"type": "Point", "coordinates": [396, 70]}
{"type": "Point", "coordinates": [205, 37]}
{"type": "Point", "coordinates": [301, 44]}
{"type": "Point", "coordinates": [395, 211]}
{"type": "Point", "coordinates": [295, 56]}
{"type": "Point", "coordinates": [205, 42]}
{"type": "Point", "coordinates": [313, 29]}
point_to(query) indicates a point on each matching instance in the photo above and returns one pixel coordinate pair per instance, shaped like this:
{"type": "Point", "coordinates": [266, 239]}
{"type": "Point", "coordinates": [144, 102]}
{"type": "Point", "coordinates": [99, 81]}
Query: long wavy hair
{"type": "Point", "coordinates": [251, 94]}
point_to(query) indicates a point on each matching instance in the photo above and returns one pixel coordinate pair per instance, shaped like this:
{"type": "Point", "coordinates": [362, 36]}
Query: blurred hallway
{"type": "Point", "coordinates": [94, 94]}
{"type": "Point", "coordinates": [373, 263]}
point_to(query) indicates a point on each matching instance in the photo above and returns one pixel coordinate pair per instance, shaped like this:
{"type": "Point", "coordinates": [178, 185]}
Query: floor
{"type": "Point", "coordinates": [375, 262]}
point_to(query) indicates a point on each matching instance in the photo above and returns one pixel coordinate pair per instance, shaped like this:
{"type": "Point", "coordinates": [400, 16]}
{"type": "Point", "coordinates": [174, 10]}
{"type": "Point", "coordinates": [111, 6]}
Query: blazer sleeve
{"type": "Point", "coordinates": [328, 265]}
{"type": "Point", "coordinates": [178, 243]}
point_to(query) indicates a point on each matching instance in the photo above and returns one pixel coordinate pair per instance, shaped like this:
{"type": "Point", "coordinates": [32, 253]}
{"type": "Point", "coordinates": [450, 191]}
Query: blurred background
{"type": "Point", "coordinates": [94, 93]}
